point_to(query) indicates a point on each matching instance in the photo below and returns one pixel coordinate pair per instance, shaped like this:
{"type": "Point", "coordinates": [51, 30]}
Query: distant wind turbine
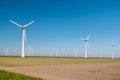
{"type": "Point", "coordinates": [65, 53]}
{"type": "Point", "coordinates": [76, 54]}
{"type": "Point", "coordinates": [23, 34]}
{"type": "Point", "coordinates": [56, 52]}
{"type": "Point", "coordinates": [6, 51]}
{"type": "Point", "coordinates": [113, 50]}
{"type": "Point", "coordinates": [29, 50]}
{"type": "Point", "coordinates": [86, 45]}
{"type": "Point", "coordinates": [32, 52]}
{"type": "Point", "coordinates": [51, 53]}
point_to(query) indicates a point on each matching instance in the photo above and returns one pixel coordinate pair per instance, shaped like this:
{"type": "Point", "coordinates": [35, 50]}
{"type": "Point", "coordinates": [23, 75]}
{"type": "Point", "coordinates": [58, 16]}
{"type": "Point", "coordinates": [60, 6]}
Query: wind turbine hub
{"type": "Point", "coordinates": [86, 40]}
{"type": "Point", "coordinates": [113, 45]}
{"type": "Point", "coordinates": [23, 27]}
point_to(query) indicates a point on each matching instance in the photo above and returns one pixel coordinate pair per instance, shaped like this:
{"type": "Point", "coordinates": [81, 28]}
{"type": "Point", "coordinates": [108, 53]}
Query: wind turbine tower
{"type": "Point", "coordinates": [65, 53]}
{"type": "Point", "coordinates": [32, 52]}
{"type": "Point", "coordinates": [51, 53]}
{"type": "Point", "coordinates": [113, 50]}
{"type": "Point", "coordinates": [23, 35]}
{"type": "Point", "coordinates": [56, 52]}
{"type": "Point", "coordinates": [6, 51]}
{"type": "Point", "coordinates": [76, 54]}
{"type": "Point", "coordinates": [86, 45]}
{"type": "Point", "coordinates": [29, 50]}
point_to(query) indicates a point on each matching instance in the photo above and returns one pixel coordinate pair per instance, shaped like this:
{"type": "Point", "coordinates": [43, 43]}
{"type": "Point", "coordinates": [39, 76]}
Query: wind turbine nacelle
{"type": "Point", "coordinates": [22, 27]}
{"type": "Point", "coordinates": [86, 40]}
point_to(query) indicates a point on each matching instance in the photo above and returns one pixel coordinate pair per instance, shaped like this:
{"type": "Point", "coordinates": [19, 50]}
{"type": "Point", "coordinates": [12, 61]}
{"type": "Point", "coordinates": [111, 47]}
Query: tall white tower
{"type": "Point", "coordinates": [113, 50]}
{"type": "Point", "coordinates": [23, 35]}
{"type": "Point", "coordinates": [86, 45]}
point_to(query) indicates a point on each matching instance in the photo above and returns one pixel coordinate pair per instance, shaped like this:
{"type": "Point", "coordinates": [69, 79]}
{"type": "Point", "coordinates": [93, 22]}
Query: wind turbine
{"type": "Point", "coordinates": [23, 35]}
{"type": "Point", "coordinates": [86, 44]}
{"type": "Point", "coordinates": [32, 52]}
{"type": "Point", "coordinates": [51, 53]}
{"type": "Point", "coordinates": [6, 51]}
{"type": "Point", "coordinates": [113, 50]}
{"type": "Point", "coordinates": [56, 52]}
{"type": "Point", "coordinates": [29, 50]}
{"type": "Point", "coordinates": [65, 53]}
{"type": "Point", "coordinates": [76, 54]}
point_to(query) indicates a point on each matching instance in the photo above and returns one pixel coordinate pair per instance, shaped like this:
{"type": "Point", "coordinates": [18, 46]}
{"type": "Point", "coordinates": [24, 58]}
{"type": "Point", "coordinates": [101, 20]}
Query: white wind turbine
{"type": "Point", "coordinates": [51, 53]}
{"type": "Point", "coordinates": [86, 45]}
{"type": "Point", "coordinates": [65, 53]}
{"type": "Point", "coordinates": [6, 51]}
{"type": "Point", "coordinates": [23, 34]}
{"type": "Point", "coordinates": [76, 54]}
{"type": "Point", "coordinates": [113, 50]}
{"type": "Point", "coordinates": [29, 50]}
{"type": "Point", "coordinates": [32, 52]}
{"type": "Point", "coordinates": [56, 52]}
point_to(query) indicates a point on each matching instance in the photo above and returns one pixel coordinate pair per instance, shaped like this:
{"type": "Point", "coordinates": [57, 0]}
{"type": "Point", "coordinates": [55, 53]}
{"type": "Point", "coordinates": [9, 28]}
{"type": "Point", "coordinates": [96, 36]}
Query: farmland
{"type": "Point", "coordinates": [63, 68]}
{"type": "Point", "coordinates": [38, 61]}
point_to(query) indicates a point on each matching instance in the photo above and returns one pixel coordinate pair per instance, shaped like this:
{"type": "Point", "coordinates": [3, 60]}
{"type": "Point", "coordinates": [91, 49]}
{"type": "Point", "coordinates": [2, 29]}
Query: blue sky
{"type": "Point", "coordinates": [59, 25]}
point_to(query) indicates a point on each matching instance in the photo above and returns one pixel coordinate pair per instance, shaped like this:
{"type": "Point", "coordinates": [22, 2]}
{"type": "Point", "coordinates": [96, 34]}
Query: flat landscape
{"type": "Point", "coordinates": [50, 68]}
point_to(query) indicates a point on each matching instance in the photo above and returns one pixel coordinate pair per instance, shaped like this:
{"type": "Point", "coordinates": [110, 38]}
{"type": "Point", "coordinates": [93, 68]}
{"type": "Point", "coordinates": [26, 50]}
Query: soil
{"type": "Point", "coordinates": [103, 71]}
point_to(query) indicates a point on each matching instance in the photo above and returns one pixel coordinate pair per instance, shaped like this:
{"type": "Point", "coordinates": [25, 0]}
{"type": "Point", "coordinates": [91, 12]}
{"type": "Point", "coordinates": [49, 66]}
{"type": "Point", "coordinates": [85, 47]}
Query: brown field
{"type": "Point", "coordinates": [64, 68]}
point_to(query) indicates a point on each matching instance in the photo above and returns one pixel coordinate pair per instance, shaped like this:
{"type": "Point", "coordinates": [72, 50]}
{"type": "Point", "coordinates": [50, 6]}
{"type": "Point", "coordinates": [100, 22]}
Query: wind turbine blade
{"type": "Point", "coordinates": [88, 37]}
{"type": "Point", "coordinates": [28, 23]}
{"type": "Point", "coordinates": [15, 23]}
{"type": "Point", "coordinates": [82, 39]}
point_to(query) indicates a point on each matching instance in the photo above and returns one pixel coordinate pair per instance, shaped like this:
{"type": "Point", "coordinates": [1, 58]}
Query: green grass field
{"type": "Point", "coordinates": [4, 75]}
{"type": "Point", "coordinates": [38, 61]}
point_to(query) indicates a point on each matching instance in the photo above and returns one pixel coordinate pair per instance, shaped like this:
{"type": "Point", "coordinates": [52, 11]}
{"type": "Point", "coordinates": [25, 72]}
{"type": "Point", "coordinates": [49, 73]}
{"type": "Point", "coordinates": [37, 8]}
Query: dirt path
{"type": "Point", "coordinates": [105, 71]}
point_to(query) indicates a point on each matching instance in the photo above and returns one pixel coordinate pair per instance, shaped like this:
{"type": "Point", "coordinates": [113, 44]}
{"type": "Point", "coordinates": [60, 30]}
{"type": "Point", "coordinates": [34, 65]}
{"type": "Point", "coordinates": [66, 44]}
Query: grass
{"type": "Point", "coordinates": [4, 75]}
{"type": "Point", "coordinates": [38, 61]}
